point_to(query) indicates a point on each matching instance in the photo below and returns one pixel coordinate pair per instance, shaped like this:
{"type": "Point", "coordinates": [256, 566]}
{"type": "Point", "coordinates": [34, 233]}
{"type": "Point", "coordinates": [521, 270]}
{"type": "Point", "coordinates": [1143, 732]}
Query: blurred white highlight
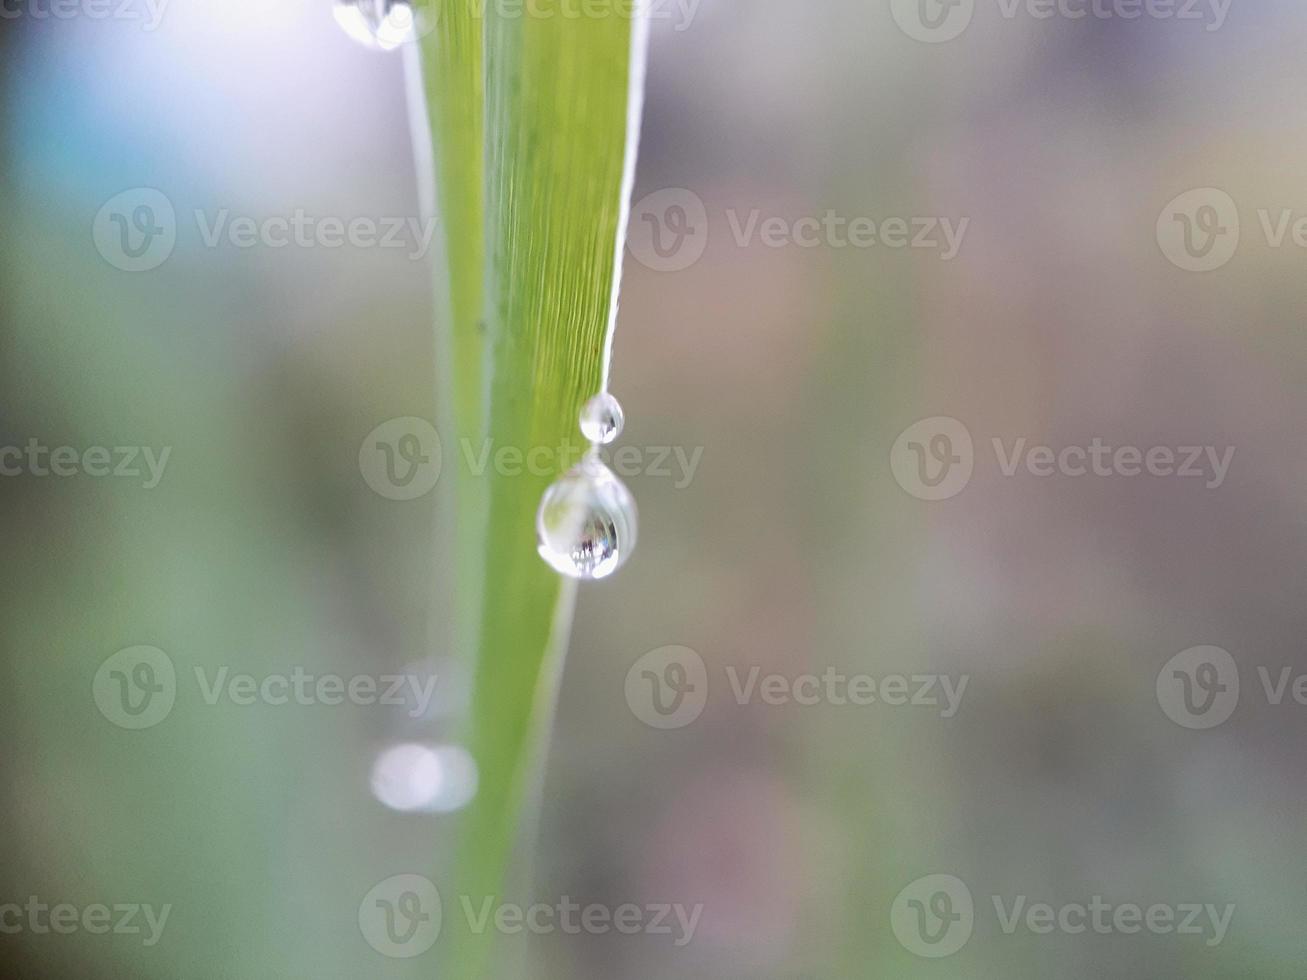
{"type": "Point", "coordinates": [415, 778]}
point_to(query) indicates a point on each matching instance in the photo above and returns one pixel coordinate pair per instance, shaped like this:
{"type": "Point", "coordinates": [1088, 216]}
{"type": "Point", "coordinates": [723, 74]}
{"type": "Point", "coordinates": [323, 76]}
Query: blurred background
{"type": "Point", "coordinates": [1122, 190]}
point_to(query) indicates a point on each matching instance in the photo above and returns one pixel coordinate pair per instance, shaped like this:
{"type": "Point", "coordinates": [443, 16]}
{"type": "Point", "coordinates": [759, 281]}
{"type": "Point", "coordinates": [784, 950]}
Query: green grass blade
{"type": "Point", "coordinates": [453, 58]}
{"type": "Point", "coordinates": [554, 139]}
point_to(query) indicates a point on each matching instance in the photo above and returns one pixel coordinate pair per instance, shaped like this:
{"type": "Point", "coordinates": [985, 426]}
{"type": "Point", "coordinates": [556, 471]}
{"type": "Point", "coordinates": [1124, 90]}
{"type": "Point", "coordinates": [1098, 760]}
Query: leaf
{"type": "Point", "coordinates": [534, 118]}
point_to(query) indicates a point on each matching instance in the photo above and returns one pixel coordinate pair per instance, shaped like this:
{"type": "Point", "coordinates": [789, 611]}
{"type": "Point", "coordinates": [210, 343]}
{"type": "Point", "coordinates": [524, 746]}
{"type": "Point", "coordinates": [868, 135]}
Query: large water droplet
{"type": "Point", "coordinates": [586, 524]}
{"type": "Point", "coordinates": [602, 419]}
{"type": "Point", "coordinates": [380, 24]}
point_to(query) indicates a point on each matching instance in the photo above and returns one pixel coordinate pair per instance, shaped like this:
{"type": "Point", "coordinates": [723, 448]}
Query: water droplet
{"type": "Point", "coordinates": [380, 24]}
{"type": "Point", "coordinates": [586, 524]}
{"type": "Point", "coordinates": [410, 777]}
{"type": "Point", "coordinates": [602, 419]}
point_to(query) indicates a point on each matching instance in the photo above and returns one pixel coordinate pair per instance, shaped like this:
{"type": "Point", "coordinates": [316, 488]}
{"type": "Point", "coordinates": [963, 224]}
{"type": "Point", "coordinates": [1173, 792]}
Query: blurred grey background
{"type": "Point", "coordinates": [1123, 192]}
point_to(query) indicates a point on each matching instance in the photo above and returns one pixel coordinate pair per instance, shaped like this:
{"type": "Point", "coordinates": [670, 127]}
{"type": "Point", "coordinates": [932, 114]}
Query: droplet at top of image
{"type": "Point", "coordinates": [382, 25]}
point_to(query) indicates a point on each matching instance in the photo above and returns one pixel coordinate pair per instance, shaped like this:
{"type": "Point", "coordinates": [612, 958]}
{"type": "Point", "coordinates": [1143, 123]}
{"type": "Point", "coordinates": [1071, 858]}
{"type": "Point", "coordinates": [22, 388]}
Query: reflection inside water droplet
{"type": "Point", "coordinates": [586, 524]}
{"type": "Point", "coordinates": [429, 779]}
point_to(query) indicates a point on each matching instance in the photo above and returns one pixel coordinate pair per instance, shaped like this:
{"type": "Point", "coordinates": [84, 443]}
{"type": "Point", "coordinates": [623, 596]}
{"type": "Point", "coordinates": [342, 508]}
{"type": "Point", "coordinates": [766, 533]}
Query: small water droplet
{"type": "Point", "coordinates": [602, 419]}
{"type": "Point", "coordinates": [380, 24]}
{"type": "Point", "coordinates": [586, 524]}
